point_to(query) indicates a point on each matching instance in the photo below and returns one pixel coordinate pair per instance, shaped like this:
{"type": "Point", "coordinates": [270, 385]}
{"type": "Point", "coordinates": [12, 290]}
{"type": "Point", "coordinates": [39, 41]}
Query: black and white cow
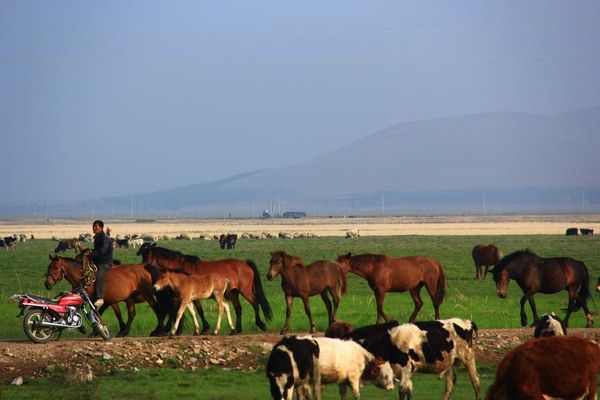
{"type": "Point", "coordinates": [10, 242]}
{"type": "Point", "coordinates": [549, 325]}
{"type": "Point", "coordinates": [430, 346]}
{"type": "Point", "coordinates": [293, 368]}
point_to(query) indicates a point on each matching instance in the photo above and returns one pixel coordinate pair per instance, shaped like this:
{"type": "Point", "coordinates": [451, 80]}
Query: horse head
{"type": "Point", "coordinates": [55, 271]}
{"type": "Point", "coordinates": [276, 264]}
{"type": "Point", "coordinates": [345, 261]}
{"type": "Point", "coordinates": [163, 280]}
{"type": "Point", "coordinates": [144, 250]}
{"type": "Point", "coordinates": [501, 278]}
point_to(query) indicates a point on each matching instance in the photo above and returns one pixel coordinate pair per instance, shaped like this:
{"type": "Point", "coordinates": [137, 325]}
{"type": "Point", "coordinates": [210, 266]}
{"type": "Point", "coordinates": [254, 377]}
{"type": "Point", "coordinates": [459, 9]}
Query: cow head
{"type": "Point", "coordinates": [379, 373]}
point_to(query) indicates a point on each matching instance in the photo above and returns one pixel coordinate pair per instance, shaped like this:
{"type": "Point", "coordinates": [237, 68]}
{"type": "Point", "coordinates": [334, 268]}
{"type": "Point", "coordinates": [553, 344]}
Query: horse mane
{"type": "Point", "coordinates": [367, 257]}
{"type": "Point", "coordinates": [174, 254]}
{"type": "Point", "coordinates": [289, 259]}
{"type": "Point", "coordinates": [505, 261]}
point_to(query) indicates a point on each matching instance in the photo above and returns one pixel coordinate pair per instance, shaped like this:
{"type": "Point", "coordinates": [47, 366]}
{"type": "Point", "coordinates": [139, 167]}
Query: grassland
{"type": "Point", "coordinates": [24, 268]}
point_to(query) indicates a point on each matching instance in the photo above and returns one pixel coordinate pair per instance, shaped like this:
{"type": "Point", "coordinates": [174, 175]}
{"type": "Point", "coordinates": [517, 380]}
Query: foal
{"type": "Point", "coordinates": [191, 289]}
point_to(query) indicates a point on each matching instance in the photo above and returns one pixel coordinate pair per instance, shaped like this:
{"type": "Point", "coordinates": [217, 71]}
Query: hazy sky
{"type": "Point", "coordinates": [120, 97]}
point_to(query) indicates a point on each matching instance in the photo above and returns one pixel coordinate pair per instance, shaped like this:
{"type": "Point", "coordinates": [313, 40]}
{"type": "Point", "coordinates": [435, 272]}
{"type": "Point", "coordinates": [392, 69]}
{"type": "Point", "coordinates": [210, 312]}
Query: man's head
{"type": "Point", "coordinates": [97, 226]}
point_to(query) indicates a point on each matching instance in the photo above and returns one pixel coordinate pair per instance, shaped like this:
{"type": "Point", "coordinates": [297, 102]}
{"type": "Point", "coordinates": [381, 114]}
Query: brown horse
{"type": "Point", "coordinates": [390, 274]}
{"type": "Point", "coordinates": [484, 257]}
{"type": "Point", "coordinates": [243, 279]}
{"type": "Point", "coordinates": [191, 289]}
{"type": "Point", "coordinates": [320, 277]}
{"type": "Point", "coordinates": [544, 275]}
{"type": "Point", "coordinates": [128, 283]}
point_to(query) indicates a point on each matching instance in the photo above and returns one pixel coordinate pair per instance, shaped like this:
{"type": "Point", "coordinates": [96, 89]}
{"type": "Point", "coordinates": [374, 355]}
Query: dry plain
{"type": "Point", "coordinates": [368, 226]}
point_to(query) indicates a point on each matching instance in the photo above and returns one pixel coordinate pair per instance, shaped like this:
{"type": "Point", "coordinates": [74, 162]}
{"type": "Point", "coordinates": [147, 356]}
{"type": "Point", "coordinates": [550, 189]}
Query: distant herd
{"type": "Point", "coordinates": [552, 365]}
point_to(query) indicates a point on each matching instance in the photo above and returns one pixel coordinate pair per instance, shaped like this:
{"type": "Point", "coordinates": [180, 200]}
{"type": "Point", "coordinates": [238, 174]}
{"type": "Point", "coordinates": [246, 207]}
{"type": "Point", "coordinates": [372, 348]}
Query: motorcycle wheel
{"type": "Point", "coordinates": [34, 332]}
{"type": "Point", "coordinates": [100, 326]}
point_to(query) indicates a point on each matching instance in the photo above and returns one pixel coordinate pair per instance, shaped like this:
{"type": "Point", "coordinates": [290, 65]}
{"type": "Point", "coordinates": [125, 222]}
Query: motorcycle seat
{"type": "Point", "coordinates": [43, 300]}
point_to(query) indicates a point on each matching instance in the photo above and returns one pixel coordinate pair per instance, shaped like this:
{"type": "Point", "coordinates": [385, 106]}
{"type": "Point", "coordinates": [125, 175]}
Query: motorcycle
{"type": "Point", "coordinates": [45, 317]}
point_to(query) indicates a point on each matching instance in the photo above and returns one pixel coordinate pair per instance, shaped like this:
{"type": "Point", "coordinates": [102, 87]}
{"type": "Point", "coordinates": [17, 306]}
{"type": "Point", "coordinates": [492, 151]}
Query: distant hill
{"type": "Point", "coordinates": [492, 162]}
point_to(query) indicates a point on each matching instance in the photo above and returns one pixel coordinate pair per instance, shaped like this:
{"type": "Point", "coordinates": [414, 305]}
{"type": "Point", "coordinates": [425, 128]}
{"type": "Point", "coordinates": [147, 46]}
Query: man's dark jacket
{"type": "Point", "coordinates": [103, 250]}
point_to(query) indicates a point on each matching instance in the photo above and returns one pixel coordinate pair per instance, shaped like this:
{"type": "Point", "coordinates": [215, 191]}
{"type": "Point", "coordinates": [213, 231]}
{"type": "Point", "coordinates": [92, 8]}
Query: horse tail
{"type": "Point", "coordinates": [259, 292]}
{"type": "Point", "coordinates": [342, 282]}
{"type": "Point", "coordinates": [440, 292]}
{"type": "Point", "coordinates": [584, 289]}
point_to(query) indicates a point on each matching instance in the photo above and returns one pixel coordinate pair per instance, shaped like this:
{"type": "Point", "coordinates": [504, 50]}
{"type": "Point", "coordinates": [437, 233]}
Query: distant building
{"type": "Point", "coordinates": [294, 214]}
{"type": "Point", "coordinates": [266, 214]}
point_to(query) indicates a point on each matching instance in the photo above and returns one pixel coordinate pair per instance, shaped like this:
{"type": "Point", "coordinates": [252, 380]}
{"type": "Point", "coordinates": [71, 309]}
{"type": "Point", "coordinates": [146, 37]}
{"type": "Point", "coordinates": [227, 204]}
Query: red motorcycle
{"type": "Point", "coordinates": [45, 317]}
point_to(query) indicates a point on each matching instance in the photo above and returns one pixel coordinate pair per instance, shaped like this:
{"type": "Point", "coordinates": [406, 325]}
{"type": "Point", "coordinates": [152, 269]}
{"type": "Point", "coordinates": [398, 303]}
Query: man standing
{"type": "Point", "coordinates": [102, 257]}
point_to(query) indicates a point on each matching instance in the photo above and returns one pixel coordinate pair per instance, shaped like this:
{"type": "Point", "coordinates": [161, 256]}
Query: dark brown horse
{"type": "Point", "coordinates": [297, 280]}
{"type": "Point", "coordinates": [484, 257]}
{"type": "Point", "coordinates": [544, 275]}
{"type": "Point", "coordinates": [390, 274]}
{"type": "Point", "coordinates": [243, 278]}
{"type": "Point", "coordinates": [129, 283]}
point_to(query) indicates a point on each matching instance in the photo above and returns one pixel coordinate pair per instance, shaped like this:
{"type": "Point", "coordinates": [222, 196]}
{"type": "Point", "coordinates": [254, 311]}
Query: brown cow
{"type": "Point", "coordinates": [483, 257]}
{"type": "Point", "coordinates": [563, 367]}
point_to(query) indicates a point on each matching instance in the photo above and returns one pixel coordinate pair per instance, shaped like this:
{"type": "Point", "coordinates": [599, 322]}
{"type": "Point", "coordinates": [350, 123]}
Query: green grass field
{"type": "Point", "coordinates": [24, 269]}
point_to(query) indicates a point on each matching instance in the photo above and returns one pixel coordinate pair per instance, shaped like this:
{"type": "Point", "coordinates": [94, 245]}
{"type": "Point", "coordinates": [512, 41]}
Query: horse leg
{"type": "Point", "coordinates": [416, 296]}
{"type": "Point", "coordinates": [288, 312]}
{"type": "Point", "coordinates": [379, 298]}
{"type": "Point", "coordinates": [330, 312]}
{"type": "Point", "coordinates": [536, 318]}
{"type": "Point", "coordinates": [192, 311]}
{"type": "Point", "coordinates": [180, 311]}
{"type": "Point", "coordinates": [219, 300]}
{"type": "Point", "coordinates": [228, 315]}
{"type": "Point", "coordinates": [477, 272]}
{"type": "Point", "coordinates": [588, 315]}
{"type": "Point", "coordinates": [205, 324]}
{"type": "Point", "coordinates": [157, 311]}
{"type": "Point", "coordinates": [237, 307]}
{"type": "Point", "coordinates": [130, 316]}
{"type": "Point", "coordinates": [570, 308]}
{"type": "Point", "coordinates": [313, 327]}
{"type": "Point", "coordinates": [117, 311]}
{"type": "Point", "coordinates": [485, 271]}
{"type": "Point", "coordinates": [523, 315]}
{"type": "Point", "coordinates": [256, 306]}
{"type": "Point", "coordinates": [436, 302]}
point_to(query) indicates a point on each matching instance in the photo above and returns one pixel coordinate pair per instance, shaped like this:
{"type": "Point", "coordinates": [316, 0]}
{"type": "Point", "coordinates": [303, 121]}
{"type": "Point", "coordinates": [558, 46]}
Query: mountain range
{"type": "Point", "coordinates": [491, 162]}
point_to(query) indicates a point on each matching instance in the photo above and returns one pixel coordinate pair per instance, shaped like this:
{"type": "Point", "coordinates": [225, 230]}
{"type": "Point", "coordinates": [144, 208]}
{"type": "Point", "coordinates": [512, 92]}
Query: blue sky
{"type": "Point", "coordinates": [120, 97]}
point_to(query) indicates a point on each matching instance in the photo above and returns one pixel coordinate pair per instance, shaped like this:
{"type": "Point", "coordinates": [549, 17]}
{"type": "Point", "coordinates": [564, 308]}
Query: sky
{"type": "Point", "coordinates": [123, 97]}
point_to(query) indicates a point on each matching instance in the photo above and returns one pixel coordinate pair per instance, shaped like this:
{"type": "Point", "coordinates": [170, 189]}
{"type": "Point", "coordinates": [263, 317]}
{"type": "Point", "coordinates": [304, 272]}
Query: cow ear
{"type": "Point", "coordinates": [379, 361]}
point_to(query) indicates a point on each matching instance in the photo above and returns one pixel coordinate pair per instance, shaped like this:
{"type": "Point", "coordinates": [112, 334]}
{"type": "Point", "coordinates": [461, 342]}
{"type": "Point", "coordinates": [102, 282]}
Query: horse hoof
{"type": "Point", "coordinates": [233, 332]}
{"type": "Point", "coordinates": [261, 325]}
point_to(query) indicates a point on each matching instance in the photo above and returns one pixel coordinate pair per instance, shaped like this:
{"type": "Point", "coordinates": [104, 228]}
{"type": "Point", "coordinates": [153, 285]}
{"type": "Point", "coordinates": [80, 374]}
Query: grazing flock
{"type": "Point", "coordinates": [550, 366]}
